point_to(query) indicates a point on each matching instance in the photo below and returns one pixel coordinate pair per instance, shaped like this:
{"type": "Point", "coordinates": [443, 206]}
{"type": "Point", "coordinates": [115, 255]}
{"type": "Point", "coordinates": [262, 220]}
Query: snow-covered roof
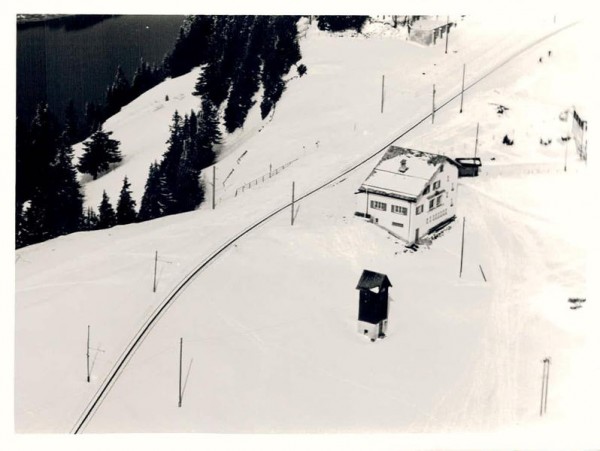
{"type": "Point", "coordinates": [372, 279]}
{"type": "Point", "coordinates": [404, 180]}
{"type": "Point", "coordinates": [428, 24]}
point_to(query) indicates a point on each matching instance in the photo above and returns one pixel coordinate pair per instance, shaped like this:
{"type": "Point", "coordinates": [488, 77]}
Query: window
{"type": "Point", "coordinates": [441, 168]}
{"type": "Point", "coordinates": [431, 204]}
{"type": "Point", "coordinates": [400, 210]}
{"type": "Point", "coordinates": [420, 209]}
{"type": "Point", "coordinates": [397, 224]}
{"type": "Point", "coordinates": [438, 201]}
{"type": "Point", "coordinates": [378, 205]}
{"type": "Point", "coordinates": [436, 185]}
{"type": "Point", "coordinates": [426, 190]}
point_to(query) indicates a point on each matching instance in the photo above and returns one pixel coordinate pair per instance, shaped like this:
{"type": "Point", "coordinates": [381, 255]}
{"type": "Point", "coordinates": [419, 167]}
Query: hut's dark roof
{"type": "Point", "coordinates": [469, 162]}
{"type": "Point", "coordinates": [371, 279]}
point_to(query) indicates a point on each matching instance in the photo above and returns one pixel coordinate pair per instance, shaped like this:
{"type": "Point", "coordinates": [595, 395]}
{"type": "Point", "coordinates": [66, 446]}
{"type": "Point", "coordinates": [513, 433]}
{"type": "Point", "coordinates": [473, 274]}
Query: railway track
{"type": "Point", "coordinates": [145, 329]}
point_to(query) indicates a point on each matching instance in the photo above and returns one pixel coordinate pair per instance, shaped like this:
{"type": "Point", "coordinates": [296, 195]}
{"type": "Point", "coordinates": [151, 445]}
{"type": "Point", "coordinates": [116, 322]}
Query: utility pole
{"type": "Point", "coordinates": [214, 184]}
{"type": "Point", "coordinates": [462, 91]}
{"type": "Point", "coordinates": [293, 187]}
{"type": "Point", "coordinates": [433, 105]}
{"type": "Point", "coordinates": [462, 248]}
{"type": "Point", "coordinates": [87, 354]}
{"type": "Point", "coordinates": [447, 32]}
{"type": "Point", "coordinates": [270, 169]}
{"type": "Point", "coordinates": [545, 377]}
{"type": "Point", "coordinates": [382, 91]}
{"type": "Point", "coordinates": [180, 364]}
{"type": "Point", "coordinates": [476, 138]}
{"type": "Point", "coordinates": [155, 265]}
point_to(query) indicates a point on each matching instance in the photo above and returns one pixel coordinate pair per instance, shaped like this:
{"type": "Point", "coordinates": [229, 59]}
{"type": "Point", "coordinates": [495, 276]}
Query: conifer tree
{"type": "Point", "coordinates": [93, 118]}
{"type": "Point", "coordinates": [126, 205]}
{"type": "Point", "coordinates": [169, 166]}
{"type": "Point", "coordinates": [156, 200]}
{"type": "Point", "coordinates": [90, 220]}
{"type": "Point", "coordinates": [20, 229]}
{"type": "Point", "coordinates": [118, 94]}
{"type": "Point", "coordinates": [24, 180]}
{"type": "Point", "coordinates": [192, 45]}
{"type": "Point", "coordinates": [106, 213]}
{"type": "Point", "coordinates": [99, 152]}
{"type": "Point", "coordinates": [71, 130]}
{"type": "Point", "coordinates": [188, 192]}
{"type": "Point", "coordinates": [63, 195]}
{"type": "Point", "coordinates": [246, 79]}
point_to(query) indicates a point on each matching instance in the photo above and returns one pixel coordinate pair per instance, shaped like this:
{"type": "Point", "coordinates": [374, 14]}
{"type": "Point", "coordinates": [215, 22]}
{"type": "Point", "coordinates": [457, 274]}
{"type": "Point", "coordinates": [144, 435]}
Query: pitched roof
{"type": "Point", "coordinates": [372, 279]}
{"type": "Point", "coordinates": [387, 178]}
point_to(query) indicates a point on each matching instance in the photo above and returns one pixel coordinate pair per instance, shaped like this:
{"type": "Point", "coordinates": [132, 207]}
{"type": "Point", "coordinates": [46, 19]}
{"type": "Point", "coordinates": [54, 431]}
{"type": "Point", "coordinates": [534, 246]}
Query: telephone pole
{"type": "Point", "coordinates": [545, 377]}
{"type": "Point", "coordinates": [293, 187]}
{"type": "Point", "coordinates": [214, 184]}
{"type": "Point", "coordinates": [433, 105]}
{"type": "Point", "coordinates": [180, 364]}
{"type": "Point", "coordinates": [462, 91]}
{"type": "Point", "coordinates": [447, 32]}
{"type": "Point", "coordinates": [155, 265]}
{"type": "Point", "coordinates": [382, 91]}
{"type": "Point", "coordinates": [87, 354]}
{"type": "Point", "coordinates": [476, 138]}
{"type": "Point", "coordinates": [462, 248]}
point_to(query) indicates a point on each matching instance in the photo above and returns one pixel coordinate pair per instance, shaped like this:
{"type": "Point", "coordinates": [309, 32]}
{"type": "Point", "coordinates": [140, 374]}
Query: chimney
{"type": "Point", "coordinates": [403, 168]}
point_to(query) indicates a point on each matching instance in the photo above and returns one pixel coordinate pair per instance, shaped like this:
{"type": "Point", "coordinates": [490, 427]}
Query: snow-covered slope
{"type": "Point", "coordinates": [269, 328]}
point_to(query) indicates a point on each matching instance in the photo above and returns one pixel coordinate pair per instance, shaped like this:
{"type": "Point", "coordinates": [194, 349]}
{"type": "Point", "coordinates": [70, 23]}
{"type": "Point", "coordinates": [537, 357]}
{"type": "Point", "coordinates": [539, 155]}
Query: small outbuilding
{"type": "Point", "coordinates": [468, 167]}
{"type": "Point", "coordinates": [428, 31]}
{"type": "Point", "coordinates": [373, 304]}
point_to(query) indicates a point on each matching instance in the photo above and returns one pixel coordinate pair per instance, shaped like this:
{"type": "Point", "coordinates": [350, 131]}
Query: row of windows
{"type": "Point", "coordinates": [435, 202]}
{"type": "Point", "coordinates": [436, 185]}
{"type": "Point", "coordinates": [376, 205]}
{"type": "Point", "coordinates": [437, 216]}
{"type": "Point", "coordinates": [400, 210]}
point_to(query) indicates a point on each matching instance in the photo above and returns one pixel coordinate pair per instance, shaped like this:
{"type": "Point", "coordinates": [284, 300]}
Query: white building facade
{"type": "Point", "coordinates": [409, 193]}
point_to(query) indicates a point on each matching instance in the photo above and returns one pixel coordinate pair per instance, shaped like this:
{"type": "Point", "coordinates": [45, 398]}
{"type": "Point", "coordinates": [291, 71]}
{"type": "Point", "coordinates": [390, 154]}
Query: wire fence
{"type": "Point", "coordinates": [263, 178]}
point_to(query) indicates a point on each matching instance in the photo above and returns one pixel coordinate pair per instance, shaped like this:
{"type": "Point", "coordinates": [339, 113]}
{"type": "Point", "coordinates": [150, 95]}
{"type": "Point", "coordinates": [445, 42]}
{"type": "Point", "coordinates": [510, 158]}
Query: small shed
{"type": "Point", "coordinates": [373, 304]}
{"type": "Point", "coordinates": [468, 167]}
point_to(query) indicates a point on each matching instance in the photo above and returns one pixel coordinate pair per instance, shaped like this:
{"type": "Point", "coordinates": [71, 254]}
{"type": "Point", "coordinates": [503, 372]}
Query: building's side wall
{"type": "Point", "coordinates": [371, 330]}
{"type": "Point", "coordinates": [441, 210]}
{"type": "Point", "coordinates": [424, 37]}
{"type": "Point", "coordinates": [392, 218]}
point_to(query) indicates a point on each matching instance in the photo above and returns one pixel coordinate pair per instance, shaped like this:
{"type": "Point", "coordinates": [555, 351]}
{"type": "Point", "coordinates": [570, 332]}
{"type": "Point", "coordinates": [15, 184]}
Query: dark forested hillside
{"type": "Point", "coordinates": [239, 55]}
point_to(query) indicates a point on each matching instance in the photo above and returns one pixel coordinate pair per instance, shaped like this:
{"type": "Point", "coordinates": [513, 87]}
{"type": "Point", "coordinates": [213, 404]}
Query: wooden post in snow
{"type": "Point", "coordinates": [462, 91]}
{"type": "Point", "coordinates": [293, 187]}
{"type": "Point", "coordinates": [180, 364]}
{"type": "Point", "coordinates": [545, 378]}
{"type": "Point", "coordinates": [155, 265]}
{"type": "Point", "coordinates": [462, 248]}
{"type": "Point", "coordinates": [214, 184]}
{"type": "Point", "coordinates": [476, 138]}
{"type": "Point", "coordinates": [382, 91]}
{"type": "Point", "coordinates": [447, 32]}
{"type": "Point", "coordinates": [433, 105]}
{"type": "Point", "coordinates": [87, 354]}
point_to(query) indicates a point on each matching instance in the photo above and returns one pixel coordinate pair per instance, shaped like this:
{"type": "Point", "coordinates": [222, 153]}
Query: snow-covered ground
{"type": "Point", "coordinates": [269, 328]}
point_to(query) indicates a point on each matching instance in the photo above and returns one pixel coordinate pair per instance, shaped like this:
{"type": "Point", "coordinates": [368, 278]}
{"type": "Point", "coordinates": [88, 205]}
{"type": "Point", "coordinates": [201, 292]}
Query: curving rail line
{"type": "Point", "coordinates": [142, 333]}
